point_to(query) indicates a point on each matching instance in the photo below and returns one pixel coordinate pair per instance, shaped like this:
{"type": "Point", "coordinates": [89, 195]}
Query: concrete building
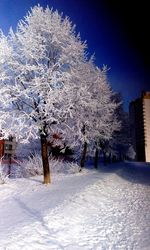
{"type": "Point", "coordinates": [139, 111]}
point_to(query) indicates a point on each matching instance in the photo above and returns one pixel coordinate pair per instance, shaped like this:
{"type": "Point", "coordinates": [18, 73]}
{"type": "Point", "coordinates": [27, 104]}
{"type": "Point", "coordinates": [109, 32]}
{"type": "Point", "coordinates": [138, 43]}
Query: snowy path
{"type": "Point", "coordinates": [95, 210]}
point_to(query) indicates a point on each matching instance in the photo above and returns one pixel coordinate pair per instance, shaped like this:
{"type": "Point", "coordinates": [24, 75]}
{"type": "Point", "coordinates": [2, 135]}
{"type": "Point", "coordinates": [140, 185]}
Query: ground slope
{"type": "Point", "coordinates": [104, 209]}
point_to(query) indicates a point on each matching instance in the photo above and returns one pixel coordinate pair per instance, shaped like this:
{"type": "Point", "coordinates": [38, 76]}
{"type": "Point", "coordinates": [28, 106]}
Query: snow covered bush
{"type": "Point", "coordinates": [33, 166]}
{"type": "Point", "coordinates": [60, 166]}
{"type": "Point", "coordinates": [130, 154]}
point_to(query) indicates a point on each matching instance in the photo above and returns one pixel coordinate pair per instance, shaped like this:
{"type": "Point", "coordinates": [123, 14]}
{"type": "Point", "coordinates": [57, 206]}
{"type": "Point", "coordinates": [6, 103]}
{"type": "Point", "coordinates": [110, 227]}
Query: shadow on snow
{"type": "Point", "coordinates": [135, 172]}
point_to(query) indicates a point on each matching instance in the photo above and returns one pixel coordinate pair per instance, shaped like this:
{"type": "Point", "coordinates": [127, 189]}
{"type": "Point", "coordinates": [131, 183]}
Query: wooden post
{"type": "Point", "coordinates": [9, 165]}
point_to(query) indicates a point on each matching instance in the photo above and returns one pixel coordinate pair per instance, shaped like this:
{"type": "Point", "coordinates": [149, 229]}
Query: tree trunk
{"type": "Point", "coordinates": [46, 169]}
{"type": "Point", "coordinates": [96, 158]}
{"type": "Point", "coordinates": [120, 156]}
{"type": "Point", "coordinates": [109, 158]}
{"type": "Point", "coordinates": [83, 156]}
{"type": "Point", "coordinates": [105, 158]}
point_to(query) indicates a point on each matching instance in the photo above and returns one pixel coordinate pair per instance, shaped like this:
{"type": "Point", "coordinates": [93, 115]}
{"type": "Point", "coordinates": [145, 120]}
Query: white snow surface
{"type": "Point", "coordinates": [101, 210]}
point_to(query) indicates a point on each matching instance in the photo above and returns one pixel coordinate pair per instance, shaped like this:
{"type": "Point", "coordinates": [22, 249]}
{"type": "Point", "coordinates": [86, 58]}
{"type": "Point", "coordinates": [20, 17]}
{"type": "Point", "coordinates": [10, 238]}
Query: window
{"type": "Point", "coordinates": [8, 146]}
{"type": "Point", "coordinates": [7, 156]}
{"type": "Point", "coordinates": [10, 138]}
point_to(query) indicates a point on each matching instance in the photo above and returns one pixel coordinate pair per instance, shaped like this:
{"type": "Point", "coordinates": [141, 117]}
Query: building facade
{"type": "Point", "coordinates": [139, 111]}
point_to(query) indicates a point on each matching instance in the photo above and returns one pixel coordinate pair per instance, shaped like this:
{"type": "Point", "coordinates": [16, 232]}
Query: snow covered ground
{"type": "Point", "coordinates": [108, 209]}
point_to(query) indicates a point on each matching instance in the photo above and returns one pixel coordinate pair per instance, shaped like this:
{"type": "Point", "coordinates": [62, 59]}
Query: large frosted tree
{"type": "Point", "coordinates": [36, 82]}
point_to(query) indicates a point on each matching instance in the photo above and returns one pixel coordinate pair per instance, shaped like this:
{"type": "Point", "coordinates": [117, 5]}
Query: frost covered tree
{"type": "Point", "coordinates": [36, 64]}
{"type": "Point", "coordinates": [83, 105]}
{"type": "Point", "coordinates": [119, 145]}
{"type": "Point", "coordinates": [99, 119]}
{"type": "Point", "coordinates": [105, 121]}
{"type": "Point", "coordinates": [94, 107]}
{"type": "Point", "coordinates": [121, 141]}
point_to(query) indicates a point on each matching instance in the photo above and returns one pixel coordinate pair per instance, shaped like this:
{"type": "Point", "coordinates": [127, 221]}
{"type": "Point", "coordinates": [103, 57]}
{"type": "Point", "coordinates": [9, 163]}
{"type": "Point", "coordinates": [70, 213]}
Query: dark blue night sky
{"type": "Point", "coordinates": [117, 34]}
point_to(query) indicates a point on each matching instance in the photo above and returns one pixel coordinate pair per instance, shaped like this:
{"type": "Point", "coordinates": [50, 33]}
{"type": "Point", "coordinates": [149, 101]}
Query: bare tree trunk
{"type": "Point", "coordinates": [109, 158]}
{"type": "Point", "coordinates": [96, 158]}
{"type": "Point", "coordinates": [120, 156]}
{"type": "Point", "coordinates": [83, 156]}
{"type": "Point", "coordinates": [105, 158]}
{"type": "Point", "coordinates": [46, 169]}
{"type": "Point", "coordinates": [9, 166]}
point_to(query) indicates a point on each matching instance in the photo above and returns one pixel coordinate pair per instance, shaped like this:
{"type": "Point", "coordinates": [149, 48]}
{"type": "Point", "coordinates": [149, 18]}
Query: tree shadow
{"type": "Point", "coordinates": [32, 179]}
{"type": "Point", "coordinates": [138, 173]}
{"type": "Point", "coordinates": [135, 172]}
{"type": "Point", "coordinates": [35, 215]}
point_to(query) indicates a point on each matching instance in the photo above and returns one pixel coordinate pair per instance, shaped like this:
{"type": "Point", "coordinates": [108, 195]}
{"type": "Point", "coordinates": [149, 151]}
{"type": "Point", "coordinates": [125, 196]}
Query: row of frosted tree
{"type": "Point", "coordinates": [49, 85]}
